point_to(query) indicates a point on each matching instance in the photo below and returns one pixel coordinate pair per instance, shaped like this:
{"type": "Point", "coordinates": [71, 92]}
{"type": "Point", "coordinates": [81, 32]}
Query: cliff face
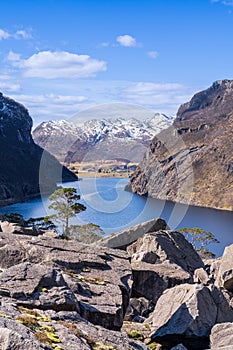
{"type": "Point", "coordinates": [192, 161]}
{"type": "Point", "coordinates": [26, 169]}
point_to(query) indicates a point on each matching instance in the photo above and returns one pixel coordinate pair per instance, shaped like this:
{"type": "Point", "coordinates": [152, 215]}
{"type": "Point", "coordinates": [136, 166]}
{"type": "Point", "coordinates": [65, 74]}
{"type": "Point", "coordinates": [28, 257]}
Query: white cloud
{"type": "Point", "coordinates": [224, 2]}
{"type": "Point", "coordinates": [126, 40]}
{"type": "Point", "coordinates": [22, 34]}
{"type": "Point", "coordinates": [105, 44]}
{"type": "Point", "coordinates": [19, 34]}
{"type": "Point", "coordinates": [12, 56]}
{"type": "Point", "coordinates": [152, 54]}
{"type": "Point", "coordinates": [59, 64]}
{"type": "Point", "coordinates": [143, 88]}
{"type": "Point", "coordinates": [7, 84]}
{"type": "Point", "coordinates": [4, 34]}
{"type": "Point", "coordinates": [51, 106]}
{"type": "Point", "coordinates": [165, 98]}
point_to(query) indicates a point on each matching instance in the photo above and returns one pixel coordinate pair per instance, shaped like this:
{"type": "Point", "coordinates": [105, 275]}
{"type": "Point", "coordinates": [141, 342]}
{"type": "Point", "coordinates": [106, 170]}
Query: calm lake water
{"type": "Point", "coordinates": [114, 209]}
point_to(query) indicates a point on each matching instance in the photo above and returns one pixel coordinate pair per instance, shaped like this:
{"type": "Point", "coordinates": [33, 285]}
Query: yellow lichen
{"type": "Point", "coordinates": [134, 334]}
{"type": "Point", "coordinates": [4, 315]}
{"type": "Point", "coordinates": [101, 346]}
{"type": "Point", "coordinates": [33, 320]}
{"type": "Point", "coordinates": [86, 269]}
{"type": "Point", "coordinates": [153, 346]}
{"type": "Point", "coordinates": [53, 337]}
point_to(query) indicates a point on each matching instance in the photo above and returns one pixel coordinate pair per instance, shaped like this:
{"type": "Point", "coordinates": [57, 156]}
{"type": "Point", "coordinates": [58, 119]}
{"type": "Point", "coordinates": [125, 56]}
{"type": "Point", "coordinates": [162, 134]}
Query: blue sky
{"type": "Point", "coordinates": [60, 57]}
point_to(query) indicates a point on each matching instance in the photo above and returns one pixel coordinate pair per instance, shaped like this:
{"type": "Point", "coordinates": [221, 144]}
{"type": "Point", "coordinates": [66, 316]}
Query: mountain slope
{"type": "Point", "coordinates": [192, 161]}
{"type": "Point", "coordinates": [99, 139]}
{"type": "Point", "coordinates": [26, 169]}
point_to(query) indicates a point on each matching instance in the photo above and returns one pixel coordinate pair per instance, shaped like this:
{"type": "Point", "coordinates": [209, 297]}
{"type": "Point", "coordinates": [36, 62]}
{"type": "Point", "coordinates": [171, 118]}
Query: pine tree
{"type": "Point", "coordinates": [64, 202]}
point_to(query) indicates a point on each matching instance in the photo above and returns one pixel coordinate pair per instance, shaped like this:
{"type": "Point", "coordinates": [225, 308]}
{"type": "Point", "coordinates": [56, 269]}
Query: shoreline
{"type": "Point", "coordinates": [115, 175]}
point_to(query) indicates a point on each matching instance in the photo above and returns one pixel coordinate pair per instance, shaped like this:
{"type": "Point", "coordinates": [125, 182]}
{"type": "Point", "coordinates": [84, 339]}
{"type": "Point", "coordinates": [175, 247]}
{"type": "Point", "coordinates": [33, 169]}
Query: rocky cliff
{"type": "Point", "coordinates": [192, 161]}
{"type": "Point", "coordinates": [26, 168]}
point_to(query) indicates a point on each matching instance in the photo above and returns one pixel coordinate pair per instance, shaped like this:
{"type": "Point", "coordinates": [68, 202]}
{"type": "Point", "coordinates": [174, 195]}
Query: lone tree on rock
{"type": "Point", "coordinates": [200, 239]}
{"type": "Point", "coordinates": [64, 202]}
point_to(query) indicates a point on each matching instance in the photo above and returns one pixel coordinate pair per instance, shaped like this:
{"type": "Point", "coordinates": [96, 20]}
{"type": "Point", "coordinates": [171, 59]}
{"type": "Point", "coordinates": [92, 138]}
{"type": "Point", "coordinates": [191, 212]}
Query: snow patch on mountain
{"type": "Point", "coordinates": [98, 129]}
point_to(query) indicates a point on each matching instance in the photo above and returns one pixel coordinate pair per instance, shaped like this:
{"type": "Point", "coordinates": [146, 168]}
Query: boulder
{"type": "Point", "coordinates": [11, 228]}
{"type": "Point", "coordinates": [222, 336]}
{"type": "Point", "coordinates": [166, 246]}
{"type": "Point", "coordinates": [214, 268]}
{"type": "Point", "coordinates": [65, 275]}
{"type": "Point", "coordinates": [126, 237]}
{"type": "Point", "coordinates": [10, 339]}
{"type": "Point", "coordinates": [186, 314]}
{"type": "Point", "coordinates": [225, 272]}
{"type": "Point", "coordinates": [37, 285]}
{"type": "Point", "coordinates": [151, 280]}
{"type": "Point", "coordinates": [201, 276]}
{"type": "Point", "coordinates": [222, 299]}
{"type": "Point", "coordinates": [138, 309]}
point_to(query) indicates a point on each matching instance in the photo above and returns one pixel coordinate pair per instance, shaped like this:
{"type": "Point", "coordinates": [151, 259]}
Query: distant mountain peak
{"type": "Point", "coordinates": [71, 142]}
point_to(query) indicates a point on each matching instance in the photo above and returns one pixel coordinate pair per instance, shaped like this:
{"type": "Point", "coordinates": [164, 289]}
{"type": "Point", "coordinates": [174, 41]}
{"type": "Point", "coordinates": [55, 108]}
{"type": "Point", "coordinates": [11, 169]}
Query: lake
{"type": "Point", "coordinates": [114, 209]}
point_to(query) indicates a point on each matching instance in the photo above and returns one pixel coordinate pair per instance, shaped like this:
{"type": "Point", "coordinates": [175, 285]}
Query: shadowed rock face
{"type": "Point", "coordinates": [191, 162]}
{"type": "Point", "coordinates": [21, 158]}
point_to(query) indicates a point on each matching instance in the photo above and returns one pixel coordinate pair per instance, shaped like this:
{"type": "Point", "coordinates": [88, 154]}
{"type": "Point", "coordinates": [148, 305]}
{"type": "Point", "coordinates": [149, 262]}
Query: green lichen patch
{"type": "Point", "coordinates": [136, 335]}
{"type": "Point", "coordinates": [35, 322]}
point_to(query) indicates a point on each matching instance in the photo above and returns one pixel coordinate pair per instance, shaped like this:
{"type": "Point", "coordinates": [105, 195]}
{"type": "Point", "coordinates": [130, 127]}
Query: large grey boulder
{"type": "Point", "coordinates": [161, 260]}
{"type": "Point", "coordinates": [225, 272]}
{"type": "Point", "coordinates": [66, 275]}
{"type": "Point", "coordinates": [169, 246]}
{"type": "Point", "coordinates": [222, 299]}
{"type": "Point", "coordinates": [222, 336]}
{"type": "Point", "coordinates": [186, 314]}
{"type": "Point", "coordinates": [37, 285]}
{"type": "Point", "coordinates": [126, 237]}
{"type": "Point", "coordinates": [151, 280]}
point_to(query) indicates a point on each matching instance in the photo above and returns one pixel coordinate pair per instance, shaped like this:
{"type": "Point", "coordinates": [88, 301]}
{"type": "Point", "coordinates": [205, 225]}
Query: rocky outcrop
{"type": "Point", "coordinates": [50, 291]}
{"type": "Point", "coordinates": [184, 314]}
{"type": "Point", "coordinates": [225, 271]}
{"type": "Point", "coordinates": [180, 163]}
{"type": "Point", "coordinates": [122, 239]}
{"type": "Point", "coordinates": [161, 260]}
{"type": "Point", "coordinates": [57, 294]}
{"type": "Point", "coordinates": [26, 169]}
{"type": "Point", "coordinates": [166, 246]}
{"type": "Point", "coordinates": [222, 336]}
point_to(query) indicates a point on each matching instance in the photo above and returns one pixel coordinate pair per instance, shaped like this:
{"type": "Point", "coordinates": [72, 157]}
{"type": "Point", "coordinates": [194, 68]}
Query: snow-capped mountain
{"type": "Point", "coordinates": [99, 139]}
